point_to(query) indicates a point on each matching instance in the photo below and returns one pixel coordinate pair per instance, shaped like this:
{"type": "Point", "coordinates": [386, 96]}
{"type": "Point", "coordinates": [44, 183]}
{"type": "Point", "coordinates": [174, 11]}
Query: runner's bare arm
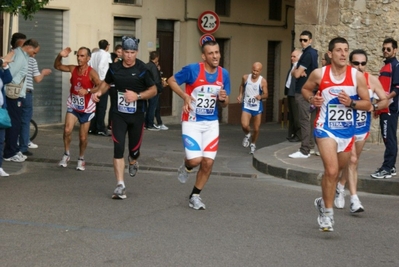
{"type": "Point", "coordinates": [308, 88]}
{"type": "Point", "coordinates": [240, 96]}
{"type": "Point", "coordinates": [265, 93]}
{"type": "Point", "coordinates": [94, 79]}
{"type": "Point", "coordinates": [376, 86]}
{"type": "Point", "coordinates": [186, 98]}
{"type": "Point", "coordinates": [58, 61]}
{"type": "Point", "coordinates": [363, 93]}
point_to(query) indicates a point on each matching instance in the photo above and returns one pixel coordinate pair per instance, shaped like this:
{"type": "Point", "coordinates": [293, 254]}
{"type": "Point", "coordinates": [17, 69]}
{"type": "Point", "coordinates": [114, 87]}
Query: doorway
{"type": "Point", "coordinates": [165, 32]}
{"type": "Point", "coordinates": [273, 52]}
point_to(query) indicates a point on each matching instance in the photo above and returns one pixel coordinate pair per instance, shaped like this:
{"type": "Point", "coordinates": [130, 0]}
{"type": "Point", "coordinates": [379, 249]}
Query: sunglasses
{"type": "Point", "coordinates": [386, 48]}
{"type": "Point", "coordinates": [303, 40]}
{"type": "Point", "coordinates": [357, 63]}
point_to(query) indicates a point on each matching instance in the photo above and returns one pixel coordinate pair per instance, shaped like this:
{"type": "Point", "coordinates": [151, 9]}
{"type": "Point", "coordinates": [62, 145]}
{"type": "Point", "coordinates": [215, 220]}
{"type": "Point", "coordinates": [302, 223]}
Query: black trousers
{"type": "Point", "coordinates": [97, 124]}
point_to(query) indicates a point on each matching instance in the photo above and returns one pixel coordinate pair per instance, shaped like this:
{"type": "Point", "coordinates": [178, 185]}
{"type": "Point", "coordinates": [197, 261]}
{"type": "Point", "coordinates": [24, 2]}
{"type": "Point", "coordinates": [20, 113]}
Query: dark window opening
{"type": "Point", "coordinates": [222, 7]}
{"type": "Point", "coordinates": [275, 8]}
{"type": "Point", "coordinates": [125, 1]}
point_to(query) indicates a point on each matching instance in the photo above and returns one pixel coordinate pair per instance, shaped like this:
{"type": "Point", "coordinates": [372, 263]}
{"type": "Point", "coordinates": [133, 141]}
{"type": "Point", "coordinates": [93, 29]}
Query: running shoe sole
{"type": "Point", "coordinates": [118, 196]}
{"type": "Point", "coordinates": [192, 206]}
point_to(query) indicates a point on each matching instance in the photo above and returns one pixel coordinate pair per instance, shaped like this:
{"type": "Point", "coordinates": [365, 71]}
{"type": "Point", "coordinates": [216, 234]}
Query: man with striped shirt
{"type": "Point", "coordinates": [27, 108]}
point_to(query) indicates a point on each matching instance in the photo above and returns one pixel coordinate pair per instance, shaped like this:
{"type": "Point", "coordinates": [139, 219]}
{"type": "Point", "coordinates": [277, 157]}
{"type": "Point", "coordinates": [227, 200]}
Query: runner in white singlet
{"type": "Point", "coordinates": [341, 92]}
{"type": "Point", "coordinates": [358, 60]}
{"type": "Point", "coordinates": [206, 84]}
{"type": "Point", "coordinates": [253, 89]}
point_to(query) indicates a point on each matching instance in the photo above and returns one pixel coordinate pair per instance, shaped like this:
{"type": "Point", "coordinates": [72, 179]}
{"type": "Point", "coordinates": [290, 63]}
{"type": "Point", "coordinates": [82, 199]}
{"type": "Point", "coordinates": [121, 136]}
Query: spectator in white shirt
{"type": "Point", "coordinates": [100, 61]}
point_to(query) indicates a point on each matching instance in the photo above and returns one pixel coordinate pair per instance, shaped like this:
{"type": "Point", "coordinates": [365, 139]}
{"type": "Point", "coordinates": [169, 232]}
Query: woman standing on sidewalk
{"type": "Point", "coordinates": [5, 77]}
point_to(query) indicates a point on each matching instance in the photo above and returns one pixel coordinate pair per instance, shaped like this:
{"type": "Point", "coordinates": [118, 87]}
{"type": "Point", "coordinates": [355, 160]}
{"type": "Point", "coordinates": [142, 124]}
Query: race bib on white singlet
{"type": "Point", "coordinates": [251, 103]}
{"type": "Point", "coordinates": [205, 104]}
{"type": "Point", "coordinates": [78, 102]}
{"type": "Point", "coordinates": [339, 116]}
{"type": "Point", "coordinates": [361, 118]}
{"type": "Point", "coordinates": [124, 106]}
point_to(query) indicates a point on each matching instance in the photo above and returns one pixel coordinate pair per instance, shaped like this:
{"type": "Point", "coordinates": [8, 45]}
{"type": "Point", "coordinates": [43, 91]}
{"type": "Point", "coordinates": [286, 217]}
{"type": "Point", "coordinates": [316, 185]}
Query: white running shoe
{"type": "Point", "coordinates": [32, 145]}
{"type": "Point", "coordinates": [81, 165]}
{"type": "Point", "coordinates": [326, 223]}
{"type": "Point", "coordinates": [64, 161]}
{"type": "Point", "coordinates": [381, 174]}
{"type": "Point", "coordinates": [253, 148]}
{"type": "Point", "coordinates": [15, 158]}
{"type": "Point", "coordinates": [161, 127]}
{"type": "Point", "coordinates": [339, 200]}
{"type": "Point", "coordinates": [393, 171]}
{"type": "Point", "coordinates": [119, 192]}
{"type": "Point", "coordinates": [183, 173]}
{"type": "Point", "coordinates": [356, 206]}
{"type": "Point", "coordinates": [299, 155]}
{"type": "Point", "coordinates": [319, 205]}
{"type": "Point", "coordinates": [3, 173]}
{"type": "Point", "coordinates": [196, 202]}
{"type": "Point", "coordinates": [133, 168]}
{"type": "Point", "coordinates": [22, 155]}
{"type": "Point", "coordinates": [245, 141]}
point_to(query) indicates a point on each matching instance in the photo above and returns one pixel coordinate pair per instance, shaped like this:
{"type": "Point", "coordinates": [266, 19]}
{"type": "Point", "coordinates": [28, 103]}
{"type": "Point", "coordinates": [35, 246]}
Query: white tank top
{"type": "Point", "coordinates": [252, 89]}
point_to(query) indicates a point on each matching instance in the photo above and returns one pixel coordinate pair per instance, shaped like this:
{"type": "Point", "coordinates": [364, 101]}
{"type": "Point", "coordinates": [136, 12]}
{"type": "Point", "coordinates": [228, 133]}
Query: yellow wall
{"type": "Point", "coordinates": [247, 28]}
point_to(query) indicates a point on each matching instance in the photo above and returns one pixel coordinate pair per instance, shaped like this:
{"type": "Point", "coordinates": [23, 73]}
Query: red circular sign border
{"type": "Point", "coordinates": [200, 20]}
{"type": "Point", "coordinates": [205, 35]}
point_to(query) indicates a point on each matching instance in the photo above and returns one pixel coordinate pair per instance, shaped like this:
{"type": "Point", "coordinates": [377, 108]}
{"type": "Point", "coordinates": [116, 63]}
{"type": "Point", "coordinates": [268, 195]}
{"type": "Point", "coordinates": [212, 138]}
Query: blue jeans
{"type": "Point", "coordinates": [27, 112]}
{"type": "Point", "coordinates": [14, 107]}
{"type": "Point", "coordinates": [158, 111]}
{"type": "Point", "coordinates": [149, 116]}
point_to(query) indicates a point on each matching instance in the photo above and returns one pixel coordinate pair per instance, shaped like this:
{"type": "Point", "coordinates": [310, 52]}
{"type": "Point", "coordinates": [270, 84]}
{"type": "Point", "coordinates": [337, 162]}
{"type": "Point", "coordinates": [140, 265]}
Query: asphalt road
{"type": "Point", "coordinates": [51, 216]}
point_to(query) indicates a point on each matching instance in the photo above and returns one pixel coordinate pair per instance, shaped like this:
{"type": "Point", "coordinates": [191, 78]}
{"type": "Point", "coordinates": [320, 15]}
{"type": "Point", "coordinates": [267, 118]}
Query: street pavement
{"type": "Point", "coordinates": [53, 216]}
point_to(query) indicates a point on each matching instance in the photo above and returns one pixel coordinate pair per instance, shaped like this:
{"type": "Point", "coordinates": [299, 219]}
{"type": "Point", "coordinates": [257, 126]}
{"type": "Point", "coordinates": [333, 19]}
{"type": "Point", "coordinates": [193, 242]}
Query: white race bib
{"type": "Point", "coordinates": [361, 118]}
{"type": "Point", "coordinates": [124, 106]}
{"type": "Point", "coordinates": [339, 116]}
{"type": "Point", "coordinates": [205, 104]}
{"type": "Point", "coordinates": [251, 103]}
{"type": "Point", "coordinates": [78, 102]}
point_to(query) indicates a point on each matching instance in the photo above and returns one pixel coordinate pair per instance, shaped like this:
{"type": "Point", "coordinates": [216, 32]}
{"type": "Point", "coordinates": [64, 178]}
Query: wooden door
{"type": "Point", "coordinates": [165, 50]}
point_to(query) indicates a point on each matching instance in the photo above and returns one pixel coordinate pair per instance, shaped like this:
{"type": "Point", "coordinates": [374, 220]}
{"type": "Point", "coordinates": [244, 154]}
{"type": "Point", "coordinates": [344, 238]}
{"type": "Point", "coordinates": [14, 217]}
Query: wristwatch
{"type": "Point", "coordinates": [138, 96]}
{"type": "Point", "coordinates": [375, 106]}
{"type": "Point", "coordinates": [88, 90]}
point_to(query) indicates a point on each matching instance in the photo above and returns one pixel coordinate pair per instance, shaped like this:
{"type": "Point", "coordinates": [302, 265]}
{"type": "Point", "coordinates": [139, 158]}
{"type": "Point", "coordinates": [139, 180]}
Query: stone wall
{"type": "Point", "coordinates": [364, 23]}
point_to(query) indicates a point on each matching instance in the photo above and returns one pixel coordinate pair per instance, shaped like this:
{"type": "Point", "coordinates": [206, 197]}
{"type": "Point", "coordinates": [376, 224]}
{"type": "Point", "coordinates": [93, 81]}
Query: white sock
{"type": "Point", "coordinates": [248, 135]}
{"type": "Point", "coordinates": [122, 183]}
{"type": "Point", "coordinates": [340, 186]}
{"type": "Point", "coordinates": [329, 212]}
{"type": "Point", "coordinates": [354, 197]}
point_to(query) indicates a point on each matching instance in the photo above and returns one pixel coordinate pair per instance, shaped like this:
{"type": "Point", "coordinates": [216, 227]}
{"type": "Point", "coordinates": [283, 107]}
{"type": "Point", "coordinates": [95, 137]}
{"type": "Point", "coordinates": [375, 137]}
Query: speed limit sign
{"type": "Point", "coordinates": [208, 22]}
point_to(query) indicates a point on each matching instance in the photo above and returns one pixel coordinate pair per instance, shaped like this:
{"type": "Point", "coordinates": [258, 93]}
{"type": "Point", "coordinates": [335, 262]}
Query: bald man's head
{"type": "Point", "coordinates": [256, 70]}
{"type": "Point", "coordinates": [295, 55]}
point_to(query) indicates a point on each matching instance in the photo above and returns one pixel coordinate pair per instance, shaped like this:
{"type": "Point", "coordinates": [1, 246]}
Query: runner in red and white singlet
{"type": "Point", "coordinates": [80, 106]}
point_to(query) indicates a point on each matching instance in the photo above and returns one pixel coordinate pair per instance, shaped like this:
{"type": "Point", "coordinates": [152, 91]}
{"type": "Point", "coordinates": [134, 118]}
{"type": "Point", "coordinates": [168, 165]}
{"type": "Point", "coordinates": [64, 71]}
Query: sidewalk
{"type": "Point", "coordinates": [163, 152]}
{"type": "Point", "coordinates": [274, 160]}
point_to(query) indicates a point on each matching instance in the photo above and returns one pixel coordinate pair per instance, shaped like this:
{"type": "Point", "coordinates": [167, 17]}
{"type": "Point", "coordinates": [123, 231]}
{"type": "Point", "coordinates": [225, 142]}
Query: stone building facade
{"type": "Point", "coordinates": [364, 23]}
